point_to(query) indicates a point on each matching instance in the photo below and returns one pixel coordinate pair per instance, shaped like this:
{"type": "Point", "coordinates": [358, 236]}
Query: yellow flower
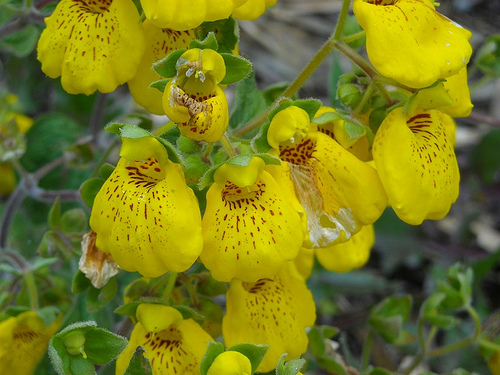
{"type": "Point", "coordinates": [92, 45]}
{"type": "Point", "coordinates": [194, 100]}
{"type": "Point", "coordinates": [172, 345]}
{"type": "Point", "coordinates": [350, 255]}
{"type": "Point", "coordinates": [252, 9]}
{"type": "Point", "coordinates": [145, 215]}
{"type": "Point", "coordinates": [339, 192]}
{"type": "Point", "coordinates": [178, 15]}
{"type": "Point", "coordinates": [416, 162]}
{"type": "Point", "coordinates": [458, 89]}
{"type": "Point", "coordinates": [230, 363]}
{"type": "Point", "coordinates": [409, 41]}
{"type": "Point", "coordinates": [274, 311]}
{"type": "Point", "coordinates": [494, 363]}
{"type": "Point", "coordinates": [159, 43]}
{"type": "Point", "coordinates": [250, 229]}
{"type": "Point", "coordinates": [12, 128]}
{"type": "Point", "coordinates": [23, 342]}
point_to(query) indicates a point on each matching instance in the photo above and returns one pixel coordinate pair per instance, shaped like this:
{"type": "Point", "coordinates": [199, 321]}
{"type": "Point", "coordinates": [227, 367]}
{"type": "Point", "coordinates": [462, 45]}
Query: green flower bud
{"type": "Point", "coordinates": [350, 95]}
{"type": "Point", "coordinates": [74, 343]}
{"type": "Point", "coordinates": [187, 146]}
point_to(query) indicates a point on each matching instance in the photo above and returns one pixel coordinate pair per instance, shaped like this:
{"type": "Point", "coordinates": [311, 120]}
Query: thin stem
{"type": "Point", "coordinates": [192, 293]}
{"type": "Point", "coordinates": [29, 278]}
{"type": "Point", "coordinates": [172, 277]}
{"type": "Point", "coordinates": [341, 20]}
{"type": "Point", "coordinates": [353, 37]}
{"type": "Point", "coordinates": [366, 97]}
{"type": "Point", "coordinates": [461, 344]}
{"type": "Point", "coordinates": [484, 343]}
{"type": "Point", "coordinates": [367, 349]}
{"type": "Point", "coordinates": [227, 145]}
{"type": "Point", "coordinates": [206, 154]}
{"type": "Point", "coordinates": [104, 157]}
{"type": "Point", "coordinates": [163, 129]}
{"type": "Point", "coordinates": [97, 115]}
{"type": "Point", "coordinates": [13, 203]}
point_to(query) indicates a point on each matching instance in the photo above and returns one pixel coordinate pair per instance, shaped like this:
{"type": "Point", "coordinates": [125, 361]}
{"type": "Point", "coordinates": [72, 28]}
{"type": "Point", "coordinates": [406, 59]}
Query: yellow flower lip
{"type": "Point", "coordinates": [288, 126]}
{"type": "Point", "coordinates": [202, 64]}
{"type": "Point", "coordinates": [242, 176]}
{"type": "Point", "coordinates": [230, 363]}
{"type": "Point", "coordinates": [156, 318]}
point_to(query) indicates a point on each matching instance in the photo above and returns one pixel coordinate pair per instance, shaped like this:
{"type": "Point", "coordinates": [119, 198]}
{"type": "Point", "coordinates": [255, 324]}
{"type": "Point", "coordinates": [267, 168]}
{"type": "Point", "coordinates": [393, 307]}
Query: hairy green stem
{"type": "Point", "coordinates": [192, 293]}
{"type": "Point", "coordinates": [172, 278]}
{"type": "Point", "coordinates": [227, 145]}
{"type": "Point", "coordinates": [367, 347]}
{"type": "Point", "coordinates": [29, 280]}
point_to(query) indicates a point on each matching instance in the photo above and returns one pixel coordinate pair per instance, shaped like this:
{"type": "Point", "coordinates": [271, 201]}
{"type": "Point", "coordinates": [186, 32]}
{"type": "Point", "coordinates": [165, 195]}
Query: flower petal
{"type": "Point", "coordinates": [146, 216]}
{"type": "Point", "coordinates": [422, 45]}
{"type": "Point", "coordinates": [273, 311]}
{"type": "Point", "coordinates": [159, 43]}
{"type": "Point", "coordinates": [349, 255]}
{"type": "Point", "coordinates": [96, 47]}
{"type": "Point", "coordinates": [175, 349]}
{"type": "Point", "coordinates": [249, 232]}
{"type": "Point", "coordinates": [417, 164]}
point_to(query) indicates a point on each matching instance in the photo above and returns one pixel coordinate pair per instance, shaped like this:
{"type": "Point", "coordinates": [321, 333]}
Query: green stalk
{"type": "Point", "coordinates": [227, 145]}
{"type": "Point", "coordinates": [29, 279]}
{"type": "Point", "coordinates": [367, 350]}
{"type": "Point", "coordinates": [172, 277]}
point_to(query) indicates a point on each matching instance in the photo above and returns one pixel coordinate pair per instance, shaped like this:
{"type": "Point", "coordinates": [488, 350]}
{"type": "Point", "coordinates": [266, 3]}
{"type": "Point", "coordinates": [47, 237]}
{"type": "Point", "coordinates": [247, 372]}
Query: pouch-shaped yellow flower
{"type": "Point", "coordinates": [172, 345]}
{"type": "Point", "coordinates": [159, 43]}
{"type": "Point", "coordinates": [339, 192]}
{"type": "Point", "coordinates": [202, 118]}
{"type": "Point", "coordinates": [409, 41]}
{"type": "Point", "coordinates": [416, 162]}
{"type": "Point", "coordinates": [349, 255]}
{"type": "Point", "coordinates": [274, 311]}
{"type": "Point", "coordinates": [194, 100]}
{"type": "Point", "coordinates": [145, 215]}
{"type": "Point", "coordinates": [92, 45]}
{"type": "Point", "coordinates": [23, 342]}
{"type": "Point", "coordinates": [179, 15]}
{"type": "Point", "coordinates": [252, 9]}
{"type": "Point", "coordinates": [250, 229]}
{"type": "Point", "coordinates": [230, 363]}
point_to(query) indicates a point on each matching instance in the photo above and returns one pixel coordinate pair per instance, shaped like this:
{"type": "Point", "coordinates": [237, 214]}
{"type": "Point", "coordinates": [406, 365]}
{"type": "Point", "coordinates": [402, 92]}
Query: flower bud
{"type": "Point", "coordinates": [350, 95]}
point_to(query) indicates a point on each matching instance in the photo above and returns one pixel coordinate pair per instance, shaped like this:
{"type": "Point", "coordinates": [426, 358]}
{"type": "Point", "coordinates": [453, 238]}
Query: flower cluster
{"type": "Point", "coordinates": [309, 185]}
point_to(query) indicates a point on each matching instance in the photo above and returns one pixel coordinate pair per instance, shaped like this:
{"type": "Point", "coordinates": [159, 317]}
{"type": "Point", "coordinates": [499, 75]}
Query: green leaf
{"type": "Point", "coordinates": [237, 68]}
{"type": "Point", "coordinates": [486, 158]}
{"type": "Point", "coordinates": [102, 346]}
{"type": "Point", "coordinates": [225, 31]}
{"type": "Point", "coordinates": [311, 106]}
{"type": "Point", "coordinates": [273, 92]}
{"type": "Point", "coordinates": [248, 103]}
{"type": "Point", "coordinates": [81, 366]}
{"type": "Point", "coordinates": [106, 170]}
{"type": "Point", "coordinates": [21, 43]}
{"type": "Point", "coordinates": [167, 67]}
{"type": "Point", "coordinates": [128, 309]}
{"type": "Point", "coordinates": [173, 155]}
{"type": "Point", "coordinates": [160, 85]}
{"type": "Point", "coordinates": [333, 365]}
{"type": "Point", "coordinates": [210, 42]}
{"type": "Point", "coordinates": [457, 287]}
{"type": "Point", "coordinates": [54, 218]}
{"type": "Point", "coordinates": [291, 367]}
{"type": "Point", "coordinates": [139, 365]}
{"type": "Point", "coordinates": [354, 130]}
{"type": "Point", "coordinates": [89, 190]}
{"type": "Point", "coordinates": [74, 221]}
{"type": "Point", "coordinates": [488, 56]}
{"type": "Point", "coordinates": [388, 316]}
{"type": "Point", "coordinates": [255, 353]}
{"type": "Point", "coordinates": [40, 263]}
{"type": "Point", "coordinates": [114, 127]}
{"type": "Point", "coordinates": [259, 142]}
{"type": "Point", "coordinates": [208, 177]}
{"type": "Point", "coordinates": [189, 313]}
{"type": "Point", "coordinates": [133, 132]}
{"type": "Point", "coordinates": [432, 311]}
{"type": "Point", "coordinates": [80, 283]}
{"type": "Point", "coordinates": [316, 344]}
{"type": "Point", "coordinates": [213, 350]}
{"type": "Point", "coordinates": [98, 298]}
